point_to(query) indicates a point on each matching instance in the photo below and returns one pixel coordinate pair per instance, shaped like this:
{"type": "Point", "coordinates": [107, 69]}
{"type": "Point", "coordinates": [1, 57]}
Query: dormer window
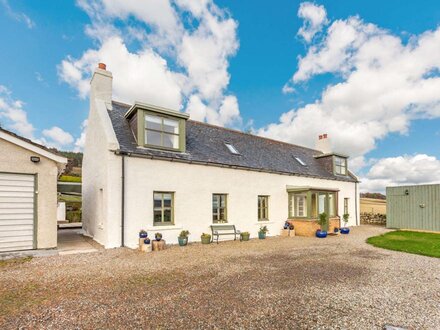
{"type": "Point", "coordinates": [161, 132]}
{"type": "Point", "coordinates": [232, 149]}
{"type": "Point", "coordinates": [157, 128]}
{"type": "Point", "coordinates": [299, 160]}
{"type": "Point", "coordinates": [340, 165]}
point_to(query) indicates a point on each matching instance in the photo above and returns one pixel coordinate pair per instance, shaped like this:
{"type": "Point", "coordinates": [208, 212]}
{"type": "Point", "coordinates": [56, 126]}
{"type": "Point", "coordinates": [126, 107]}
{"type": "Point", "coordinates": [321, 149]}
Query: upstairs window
{"type": "Point", "coordinates": [232, 149]}
{"type": "Point", "coordinates": [161, 132]}
{"type": "Point", "coordinates": [340, 165]}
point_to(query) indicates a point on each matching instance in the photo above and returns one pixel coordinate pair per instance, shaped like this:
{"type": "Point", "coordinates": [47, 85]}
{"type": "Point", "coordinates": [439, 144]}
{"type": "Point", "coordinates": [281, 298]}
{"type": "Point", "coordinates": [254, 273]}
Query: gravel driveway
{"type": "Point", "coordinates": [290, 283]}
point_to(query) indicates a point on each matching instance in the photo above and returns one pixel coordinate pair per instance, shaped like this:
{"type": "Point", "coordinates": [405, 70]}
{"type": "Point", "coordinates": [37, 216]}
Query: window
{"type": "Point", "coordinates": [219, 212]}
{"type": "Point", "coordinates": [310, 204]}
{"type": "Point", "coordinates": [340, 165]}
{"type": "Point", "coordinates": [299, 160]}
{"type": "Point", "coordinates": [232, 149]}
{"type": "Point", "coordinates": [161, 132]}
{"type": "Point", "coordinates": [298, 205]}
{"type": "Point", "coordinates": [263, 208]}
{"type": "Point", "coordinates": [163, 213]}
{"type": "Point", "coordinates": [346, 205]}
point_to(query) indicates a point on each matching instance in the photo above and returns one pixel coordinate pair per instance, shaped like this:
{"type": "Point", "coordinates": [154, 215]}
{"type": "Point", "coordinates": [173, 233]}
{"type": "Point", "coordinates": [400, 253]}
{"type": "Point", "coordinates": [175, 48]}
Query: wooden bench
{"type": "Point", "coordinates": [220, 230]}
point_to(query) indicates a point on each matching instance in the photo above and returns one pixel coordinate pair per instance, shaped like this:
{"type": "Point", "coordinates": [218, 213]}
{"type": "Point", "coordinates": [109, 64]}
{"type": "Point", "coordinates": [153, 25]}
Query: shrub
{"type": "Point", "coordinates": [263, 229]}
{"type": "Point", "coordinates": [184, 234]}
{"type": "Point", "coordinates": [323, 220]}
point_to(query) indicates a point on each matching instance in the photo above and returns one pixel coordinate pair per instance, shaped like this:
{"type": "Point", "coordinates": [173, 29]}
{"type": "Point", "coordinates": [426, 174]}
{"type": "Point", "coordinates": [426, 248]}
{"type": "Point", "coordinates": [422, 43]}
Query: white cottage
{"type": "Point", "coordinates": [147, 167]}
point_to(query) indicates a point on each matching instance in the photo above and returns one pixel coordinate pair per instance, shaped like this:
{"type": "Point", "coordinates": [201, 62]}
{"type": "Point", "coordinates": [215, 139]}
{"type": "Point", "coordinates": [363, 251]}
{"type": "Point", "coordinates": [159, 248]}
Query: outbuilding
{"type": "Point", "coordinates": [414, 207]}
{"type": "Point", "coordinates": [28, 194]}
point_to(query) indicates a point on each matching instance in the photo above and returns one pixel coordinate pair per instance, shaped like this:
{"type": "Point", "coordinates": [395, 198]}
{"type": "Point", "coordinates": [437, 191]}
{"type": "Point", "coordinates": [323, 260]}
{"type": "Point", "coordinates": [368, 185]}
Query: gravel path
{"type": "Point", "coordinates": [301, 283]}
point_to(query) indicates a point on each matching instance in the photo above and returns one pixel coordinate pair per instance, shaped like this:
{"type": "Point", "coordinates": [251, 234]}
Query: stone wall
{"type": "Point", "coordinates": [373, 219]}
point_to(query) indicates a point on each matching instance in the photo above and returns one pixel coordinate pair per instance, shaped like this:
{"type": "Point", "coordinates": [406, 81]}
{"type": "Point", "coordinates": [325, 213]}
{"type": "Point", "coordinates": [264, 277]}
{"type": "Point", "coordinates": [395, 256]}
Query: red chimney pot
{"type": "Point", "coordinates": [320, 137]}
{"type": "Point", "coordinates": [325, 136]}
{"type": "Point", "coordinates": [102, 66]}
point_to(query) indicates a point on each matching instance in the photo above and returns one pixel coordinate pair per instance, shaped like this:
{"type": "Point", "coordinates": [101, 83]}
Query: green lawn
{"type": "Point", "coordinates": [69, 178]}
{"type": "Point", "coordinates": [427, 244]}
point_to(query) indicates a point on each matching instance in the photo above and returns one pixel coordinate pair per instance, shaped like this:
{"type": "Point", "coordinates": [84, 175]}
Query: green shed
{"type": "Point", "coordinates": [414, 207]}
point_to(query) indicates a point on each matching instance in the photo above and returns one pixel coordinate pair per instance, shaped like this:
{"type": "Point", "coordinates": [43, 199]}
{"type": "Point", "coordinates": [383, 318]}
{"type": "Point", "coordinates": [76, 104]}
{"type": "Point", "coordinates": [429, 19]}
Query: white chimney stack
{"type": "Point", "coordinates": [101, 84]}
{"type": "Point", "coordinates": [323, 144]}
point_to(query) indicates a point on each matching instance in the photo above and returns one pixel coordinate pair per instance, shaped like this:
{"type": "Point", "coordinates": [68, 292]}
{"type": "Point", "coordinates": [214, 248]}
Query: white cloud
{"type": "Point", "coordinates": [175, 63]}
{"type": "Point", "coordinates": [80, 142]}
{"type": "Point", "coordinates": [402, 170]}
{"type": "Point", "coordinates": [314, 16]}
{"type": "Point", "coordinates": [384, 85]}
{"type": "Point", "coordinates": [57, 137]}
{"type": "Point", "coordinates": [19, 17]}
{"type": "Point", "coordinates": [12, 115]}
{"type": "Point", "coordinates": [288, 89]}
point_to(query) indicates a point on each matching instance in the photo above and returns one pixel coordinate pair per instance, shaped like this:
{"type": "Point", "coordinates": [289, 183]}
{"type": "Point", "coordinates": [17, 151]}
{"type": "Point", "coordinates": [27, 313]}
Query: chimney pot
{"type": "Point", "coordinates": [320, 137]}
{"type": "Point", "coordinates": [102, 66]}
{"type": "Point", "coordinates": [325, 136]}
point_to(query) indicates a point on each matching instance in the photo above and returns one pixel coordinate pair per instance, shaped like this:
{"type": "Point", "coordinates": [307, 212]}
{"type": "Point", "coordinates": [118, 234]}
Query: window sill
{"type": "Point", "coordinates": [264, 222]}
{"type": "Point", "coordinates": [161, 228]}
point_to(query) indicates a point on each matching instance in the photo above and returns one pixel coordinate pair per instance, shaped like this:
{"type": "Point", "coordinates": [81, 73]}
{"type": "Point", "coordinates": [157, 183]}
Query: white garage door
{"type": "Point", "coordinates": [16, 212]}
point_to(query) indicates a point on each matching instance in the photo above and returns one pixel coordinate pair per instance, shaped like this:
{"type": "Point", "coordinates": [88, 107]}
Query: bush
{"type": "Point", "coordinates": [74, 216]}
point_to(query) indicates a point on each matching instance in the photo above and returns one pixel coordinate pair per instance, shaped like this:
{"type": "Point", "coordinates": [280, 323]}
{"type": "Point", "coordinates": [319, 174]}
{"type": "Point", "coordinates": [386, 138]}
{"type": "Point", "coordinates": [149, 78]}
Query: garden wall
{"type": "Point", "coordinates": [373, 219]}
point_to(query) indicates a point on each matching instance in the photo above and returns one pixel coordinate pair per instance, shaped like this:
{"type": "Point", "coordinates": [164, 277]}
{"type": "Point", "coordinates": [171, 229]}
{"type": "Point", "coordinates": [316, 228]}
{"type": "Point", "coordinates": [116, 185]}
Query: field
{"type": "Point", "coordinates": [372, 205]}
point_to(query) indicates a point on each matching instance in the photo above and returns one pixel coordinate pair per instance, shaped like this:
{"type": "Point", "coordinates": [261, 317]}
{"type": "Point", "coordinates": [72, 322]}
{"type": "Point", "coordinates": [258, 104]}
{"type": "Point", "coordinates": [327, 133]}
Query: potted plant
{"type": "Point", "coordinates": [143, 234]}
{"type": "Point", "coordinates": [183, 237]}
{"type": "Point", "coordinates": [158, 236]}
{"type": "Point", "coordinates": [147, 241]}
{"type": "Point", "coordinates": [323, 222]}
{"type": "Point", "coordinates": [345, 229]}
{"type": "Point", "coordinates": [262, 232]}
{"type": "Point", "coordinates": [245, 236]}
{"type": "Point", "coordinates": [206, 238]}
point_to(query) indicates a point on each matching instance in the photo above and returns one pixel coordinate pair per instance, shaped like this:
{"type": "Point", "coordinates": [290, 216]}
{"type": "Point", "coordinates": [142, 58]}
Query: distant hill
{"type": "Point", "coordinates": [373, 195]}
{"type": "Point", "coordinates": [74, 164]}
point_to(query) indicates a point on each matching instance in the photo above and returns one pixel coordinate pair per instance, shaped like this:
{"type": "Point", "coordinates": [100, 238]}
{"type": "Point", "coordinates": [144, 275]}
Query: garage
{"type": "Point", "coordinates": [28, 194]}
{"type": "Point", "coordinates": [17, 212]}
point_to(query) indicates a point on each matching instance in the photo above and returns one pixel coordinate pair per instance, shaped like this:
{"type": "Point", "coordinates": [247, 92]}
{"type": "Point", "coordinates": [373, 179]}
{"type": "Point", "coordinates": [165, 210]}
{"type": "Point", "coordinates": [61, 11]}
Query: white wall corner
{"type": "Point", "coordinates": [101, 109]}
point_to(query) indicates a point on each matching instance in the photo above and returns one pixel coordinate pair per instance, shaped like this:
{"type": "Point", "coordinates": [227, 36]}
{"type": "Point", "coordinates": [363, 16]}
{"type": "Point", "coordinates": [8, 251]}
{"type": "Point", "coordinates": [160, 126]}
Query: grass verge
{"type": "Point", "coordinates": [426, 244]}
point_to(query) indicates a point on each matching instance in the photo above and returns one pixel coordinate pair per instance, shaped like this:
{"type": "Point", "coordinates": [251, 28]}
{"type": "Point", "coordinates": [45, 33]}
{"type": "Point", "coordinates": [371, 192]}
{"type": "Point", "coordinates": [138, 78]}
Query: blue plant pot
{"type": "Point", "coordinates": [321, 234]}
{"type": "Point", "coordinates": [182, 241]}
{"type": "Point", "coordinates": [261, 235]}
{"type": "Point", "coordinates": [345, 230]}
{"type": "Point", "coordinates": [147, 241]}
{"type": "Point", "coordinates": [336, 230]}
{"type": "Point", "coordinates": [143, 235]}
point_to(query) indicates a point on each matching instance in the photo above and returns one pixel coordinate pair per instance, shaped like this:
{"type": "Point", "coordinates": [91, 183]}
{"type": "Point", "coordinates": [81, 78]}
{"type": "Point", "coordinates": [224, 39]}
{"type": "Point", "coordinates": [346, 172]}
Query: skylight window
{"type": "Point", "coordinates": [232, 149]}
{"type": "Point", "coordinates": [299, 160]}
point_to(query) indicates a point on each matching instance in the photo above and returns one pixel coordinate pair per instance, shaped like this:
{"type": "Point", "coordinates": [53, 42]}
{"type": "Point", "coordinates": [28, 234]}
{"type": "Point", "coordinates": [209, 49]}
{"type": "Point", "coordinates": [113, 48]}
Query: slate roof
{"type": "Point", "coordinates": [205, 143]}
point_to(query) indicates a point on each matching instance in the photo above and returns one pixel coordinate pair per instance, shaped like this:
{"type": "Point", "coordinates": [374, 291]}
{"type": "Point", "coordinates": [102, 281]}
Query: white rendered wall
{"type": "Point", "coordinates": [193, 186]}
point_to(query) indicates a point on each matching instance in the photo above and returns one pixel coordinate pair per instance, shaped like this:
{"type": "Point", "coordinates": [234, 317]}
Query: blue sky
{"type": "Point", "coordinates": [262, 49]}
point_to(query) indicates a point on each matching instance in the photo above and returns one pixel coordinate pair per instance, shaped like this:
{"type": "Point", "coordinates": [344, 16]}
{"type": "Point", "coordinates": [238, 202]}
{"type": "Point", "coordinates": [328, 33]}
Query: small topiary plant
{"type": "Point", "coordinates": [263, 230]}
{"type": "Point", "coordinates": [345, 218]}
{"type": "Point", "coordinates": [323, 221]}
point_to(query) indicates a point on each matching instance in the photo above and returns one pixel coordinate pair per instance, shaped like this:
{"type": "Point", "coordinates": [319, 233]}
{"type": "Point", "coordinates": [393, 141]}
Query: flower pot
{"type": "Point", "coordinates": [245, 237]}
{"type": "Point", "coordinates": [143, 235]}
{"type": "Point", "coordinates": [206, 240]}
{"type": "Point", "coordinates": [321, 234]}
{"type": "Point", "coordinates": [147, 241]}
{"type": "Point", "coordinates": [261, 235]}
{"type": "Point", "coordinates": [345, 230]}
{"type": "Point", "coordinates": [336, 230]}
{"type": "Point", "coordinates": [183, 241]}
